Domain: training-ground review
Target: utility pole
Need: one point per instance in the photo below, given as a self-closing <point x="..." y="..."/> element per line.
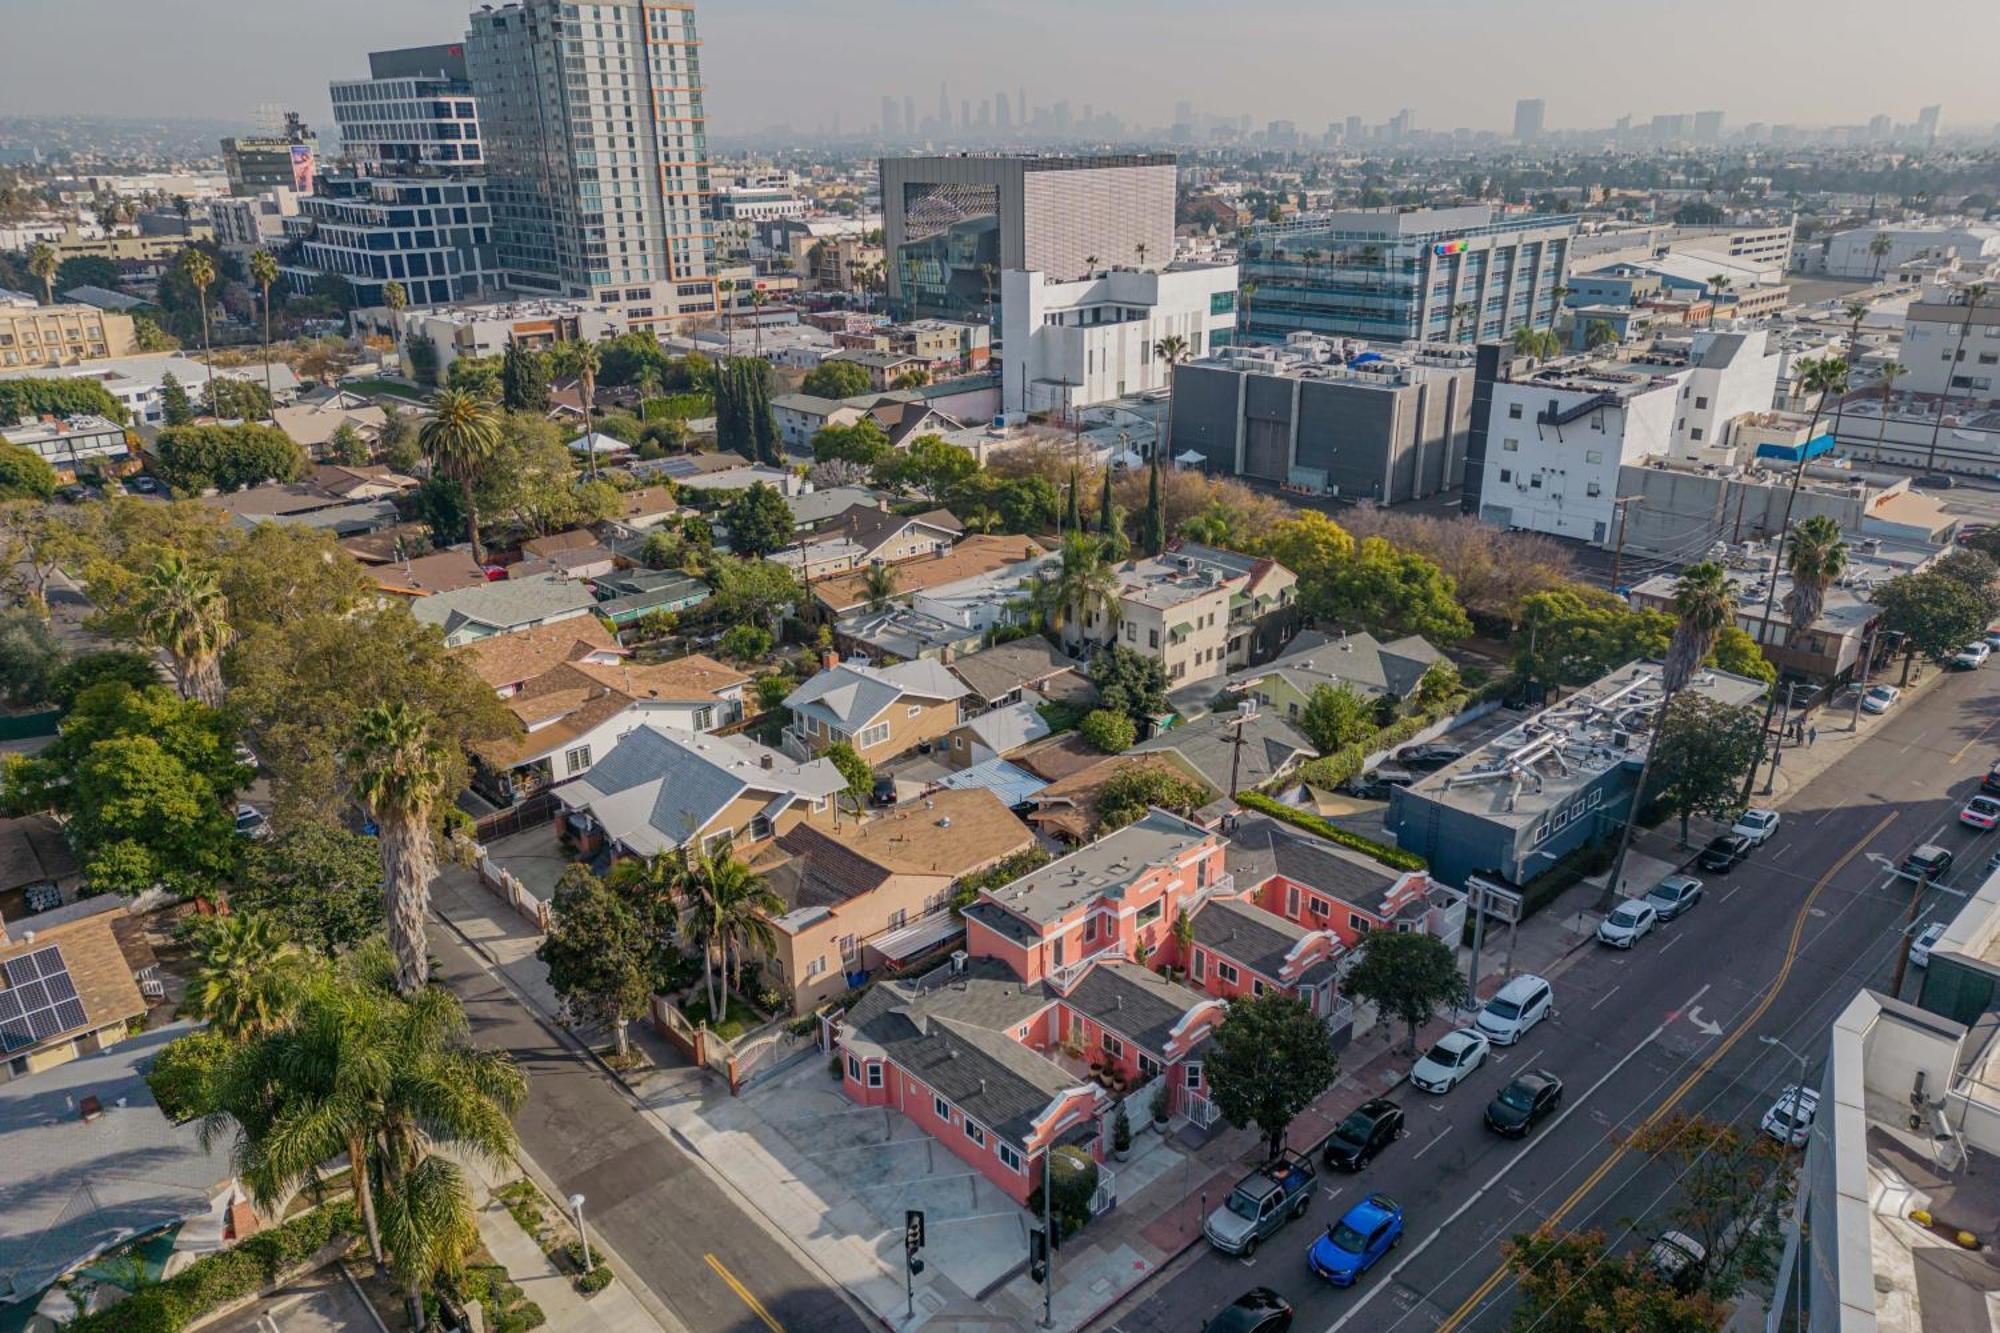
<point x="1903" y="936"/>
<point x="1778" y="745"/>
<point x="1618" y="550"/>
<point x="1245" y="712"/>
<point x="1861" y="673"/>
<point x="1048" y="1239"/>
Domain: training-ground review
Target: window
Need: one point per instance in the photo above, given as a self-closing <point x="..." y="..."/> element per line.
<point x="874" y="1075"/>
<point x="1224" y="973"/>
<point x="1700" y="403"/>
<point x="1256" y="986"/>
<point x="872" y="736"/>
<point x="1194" y="1075"/>
<point x="1593" y="455"/>
<point x="1510" y="446"/>
<point x="1148" y="1066"/>
<point x="717" y="840"/>
<point x="914" y="710"/>
<point x="1200" y="964"/>
<point x="1009" y="1158"/>
<point x="975" y="1133"/>
<point x="1592" y="488"/>
<point x="1150" y="913"/>
<point x="943" y="1109"/>
<point x="1113" y="1047"/>
<point x="576" y="760"/>
<point x="1357" y="922"/>
<point x="1513" y="411"/>
<point x="854" y="1069"/>
<point x="816" y="967"/>
<point x="1292" y="900"/>
<point x="1505" y="476"/>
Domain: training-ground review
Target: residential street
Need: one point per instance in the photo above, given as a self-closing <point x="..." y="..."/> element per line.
<point x="1774" y="949"/>
<point x="682" y="1234"/>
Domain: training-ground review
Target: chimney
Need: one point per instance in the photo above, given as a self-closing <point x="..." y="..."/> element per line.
<point x="768" y="762"/>
<point x="829" y="659"/>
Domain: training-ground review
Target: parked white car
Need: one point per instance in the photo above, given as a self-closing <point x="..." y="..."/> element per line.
<point x="1879" y="698"/>
<point x="1790" y="1118"/>
<point x="1921" y="946"/>
<point x="1448" y="1063"/>
<point x="1515" y="1008"/>
<point x="1756" y="825"/>
<point x="1972" y="656"/>
<point x="1628" y="923"/>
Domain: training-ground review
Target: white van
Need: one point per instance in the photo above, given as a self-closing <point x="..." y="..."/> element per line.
<point x="1516" y="1007"/>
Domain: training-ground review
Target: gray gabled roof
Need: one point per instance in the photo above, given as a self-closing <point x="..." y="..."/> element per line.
<point x="1247" y="934"/>
<point x="1270" y="746"/>
<point x="854" y="695"/>
<point x="1130" y="999"/>
<point x="505" y="604"/>
<point x="1004" y="668"/>
<point x="1262" y="847"/>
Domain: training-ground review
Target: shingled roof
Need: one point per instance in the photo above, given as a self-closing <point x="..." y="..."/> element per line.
<point x="1263" y="847"/>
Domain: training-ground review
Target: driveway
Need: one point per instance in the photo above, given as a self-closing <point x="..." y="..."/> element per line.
<point x="322" y="1302"/>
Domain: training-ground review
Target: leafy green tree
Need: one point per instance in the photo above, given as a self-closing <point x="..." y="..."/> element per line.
<point x="530" y="477"/>
<point x="246" y="974"/>
<point x="1136" y="787"/>
<point x="78" y="674"/>
<point x="745" y="643"/>
<point x="1975" y="569"/>
<point x="1073" y="1177"/>
<point x="398" y="441"/>
<point x="1733" y="1193"/>
<point x="1015" y="504"/>
<point x="175" y="409"/>
<point x="1437" y="686"/>
<point x="420" y="357"/>
<point x="88" y="271"/>
<point x="1385" y="588"/>
<point x="524" y="379"/>
<point x="933" y="468"/>
<point x="1570" y="1282"/>
<point x="1935" y="613"/>
<point x="31" y="660"/>
<point x="347" y="446"/>
<point x="320" y="882"/>
<point x="1575" y="634"/>
<point x="1110" y="732"/>
<point x="226" y="458"/>
<point x="860" y="776"/>
<point x="757" y="591"/>
<point x="863" y="442"/>
<point x="1267" y="1061"/>
<point x="150" y="337"/>
<point x="1129" y="682"/>
<point x="1407" y="976"/>
<point x="183" y="1073"/>
<point x="28" y="398"/>
<point x="1314" y="548"/>
<point x="398" y="767"/>
<point x="24" y="474"/>
<point x="599" y="953"/>
<point x="1153" y="520"/>
<point x="759" y="521"/>
<point x="836" y="379"/>
<point x="1336" y="716"/>
<point x="1737" y="651"/>
<point x="477" y="375"/>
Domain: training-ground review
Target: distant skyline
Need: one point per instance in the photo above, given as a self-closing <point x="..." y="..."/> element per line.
<point x="773" y="62"/>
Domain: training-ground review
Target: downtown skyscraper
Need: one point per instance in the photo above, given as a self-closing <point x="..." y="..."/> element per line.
<point x="597" y="152"/>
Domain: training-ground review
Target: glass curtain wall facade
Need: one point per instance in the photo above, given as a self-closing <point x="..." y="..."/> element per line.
<point x="949" y="262"/>
<point x="1389" y="278"/>
<point x="432" y="236"/>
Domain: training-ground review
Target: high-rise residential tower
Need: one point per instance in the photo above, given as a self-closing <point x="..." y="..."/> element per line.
<point x="1528" y="119"/>
<point x="597" y="152"/>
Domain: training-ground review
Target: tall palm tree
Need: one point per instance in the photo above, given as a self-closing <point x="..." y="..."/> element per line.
<point x="879" y="583"/>
<point x="42" y="262"/>
<point x="199" y="270"/>
<point x="246" y="974"/>
<point x="1816" y="557"/>
<point x="1879" y="245"/>
<point x="395" y="296"/>
<point x="1717" y="285"/>
<point x="397" y="765"/>
<point x="698" y="922"/>
<point x="583" y="360"/>
<point x="725" y="287"/>
<point x="459" y="439"/>
<point x="759" y="298"/>
<point x="743" y="909"/>
<point x="1973" y="295"/>
<point x="183" y="612"/>
<point x="264" y="272"/>
<point x="1082" y="585"/>
<point x="1090" y="266"/>
<point x="1892" y="372"/>
<point x="1704" y="603"/>
<point x="1140" y="248"/>
<point x="1461" y="312"/>
<point x="1171" y="350"/>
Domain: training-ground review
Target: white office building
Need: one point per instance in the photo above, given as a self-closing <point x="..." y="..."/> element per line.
<point x="1073" y="343"/>
<point x="1951" y="346"/>
<point x="1850" y="254"/>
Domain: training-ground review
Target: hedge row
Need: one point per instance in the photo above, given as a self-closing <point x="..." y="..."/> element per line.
<point x="1330" y="770"/>
<point x="1393" y="857"/>
<point x="217" y="1279"/>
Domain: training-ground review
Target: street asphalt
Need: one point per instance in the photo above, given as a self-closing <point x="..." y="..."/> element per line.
<point x="682" y="1234"/>
<point x="1775" y="949"/>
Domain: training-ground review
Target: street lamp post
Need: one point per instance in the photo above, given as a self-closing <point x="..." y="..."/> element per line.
<point x="1798" y="1208"/>
<point x="576" y="1207"/>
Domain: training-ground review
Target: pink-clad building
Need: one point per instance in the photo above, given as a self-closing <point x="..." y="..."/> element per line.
<point x="1003" y="1053"/>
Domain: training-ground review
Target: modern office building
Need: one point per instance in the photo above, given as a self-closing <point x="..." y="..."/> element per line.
<point x="1073" y="343"/>
<point x="1321" y="416"/>
<point x="596" y="146"/>
<point x="259" y="162"/>
<point x="243" y="225"/>
<point x="413" y="114"/>
<point x="1951" y="346"/>
<point x="1528" y="113"/>
<point x="1432" y="275"/>
<point x="952" y="225"/>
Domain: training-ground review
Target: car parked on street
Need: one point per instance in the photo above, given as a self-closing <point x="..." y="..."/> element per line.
<point x="1971" y="657"/>
<point x="1879" y="698"/>
<point x="1981" y="812"/>
<point x="1258" y="1310"/>
<point x="1531" y="1098"/>
<point x="250" y="823"/>
<point x="1724" y="850"/>
<point x="1262" y="1201"/>
<point x="1992" y="639"/>
<point x="1447" y="1063"/>
<point x="1674" y="895"/>
<point x="1357" y="1242"/>
<point x="1921" y="946"/>
<point x="1790" y="1118"/>
<point x="1991" y="782"/>
<point x="1679" y="1259"/>
<point x="1515" y="1008"/>
<point x="1368" y="1129"/>
<point x="1627" y="923"/>
<point x="1756" y="825"/>
<point x="1928" y="861"/>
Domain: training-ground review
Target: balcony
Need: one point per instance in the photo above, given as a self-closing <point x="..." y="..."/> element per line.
<point x="1062" y="978"/>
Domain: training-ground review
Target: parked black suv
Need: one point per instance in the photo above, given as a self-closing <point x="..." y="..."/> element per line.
<point x="1723" y="852"/>
<point x="1371" y="1127"/>
<point x="1526" y="1102"/>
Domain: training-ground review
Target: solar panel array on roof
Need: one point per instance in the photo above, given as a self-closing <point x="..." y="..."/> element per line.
<point x="40" y="1001"/>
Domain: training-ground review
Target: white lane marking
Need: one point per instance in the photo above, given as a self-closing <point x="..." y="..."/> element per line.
<point x="1495" y="1178"/>
<point x="1433" y="1143"/>
<point x="1607" y="995"/>
<point x="1670" y="944"/>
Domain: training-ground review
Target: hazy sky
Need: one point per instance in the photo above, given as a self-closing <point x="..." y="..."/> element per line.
<point x="768" y="62"/>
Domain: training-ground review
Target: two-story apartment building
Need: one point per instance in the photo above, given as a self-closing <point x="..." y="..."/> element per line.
<point x="1201" y="610"/>
<point x="881" y="711"/>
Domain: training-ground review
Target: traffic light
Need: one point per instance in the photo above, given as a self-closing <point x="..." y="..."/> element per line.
<point x="913" y="1231"/>
<point x="1038" y="1254"/>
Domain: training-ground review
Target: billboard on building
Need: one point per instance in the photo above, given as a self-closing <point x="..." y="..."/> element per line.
<point x="302" y="168"/>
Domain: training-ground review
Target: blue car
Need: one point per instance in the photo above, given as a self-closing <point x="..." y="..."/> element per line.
<point x="1352" y="1245"/>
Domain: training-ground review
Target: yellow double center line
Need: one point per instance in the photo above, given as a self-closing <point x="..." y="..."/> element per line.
<point x="743" y="1292"/>
<point x="1701" y="1071"/>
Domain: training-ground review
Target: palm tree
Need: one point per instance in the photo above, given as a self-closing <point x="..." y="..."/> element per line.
<point x="725" y="287"/>
<point x="182" y="611"/>
<point x="397" y="764"/>
<point x="1704" y="603"/>
<point x="199" y="270"/>
<point x="1171" y="350"/>
<point x="583" y="360"/>
<point x="1892" y="372"/>
<point x="1816" y="557"/>
<point x="1973" y="295"/>
<point x="1717" y="285"/>
<point x="394" y="296"/>
<point x="1090" y="266"/>
<point x="879" y="583"/>
<point x="246" y="975"/>
<point x="42" y="262"/>
<point x="1879" y="245"/>
<point x="1599" y="334"/>
<point x="1140" y="248"/>
<point x="1083" y="584"/>
<point x="264" y="272"/>
<point x="1461" y="312"/>
<point x="759" y="298"/>
<point x="459" y="439"/>
<point x="743" y="909"/>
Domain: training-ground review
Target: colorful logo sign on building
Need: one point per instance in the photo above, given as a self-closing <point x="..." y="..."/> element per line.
<point x="1444" y="248"/>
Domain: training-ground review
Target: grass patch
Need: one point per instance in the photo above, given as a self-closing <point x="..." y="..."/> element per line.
<point x="737" y="1017"/>
<point x="524" y="1201"/>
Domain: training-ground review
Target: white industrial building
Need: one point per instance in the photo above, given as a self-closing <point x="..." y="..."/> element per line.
<point x="1849" y="253"/>
<point x="1067" y="344"/>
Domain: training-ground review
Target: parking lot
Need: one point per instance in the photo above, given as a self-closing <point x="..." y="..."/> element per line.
<point x="323" y="1302"/>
